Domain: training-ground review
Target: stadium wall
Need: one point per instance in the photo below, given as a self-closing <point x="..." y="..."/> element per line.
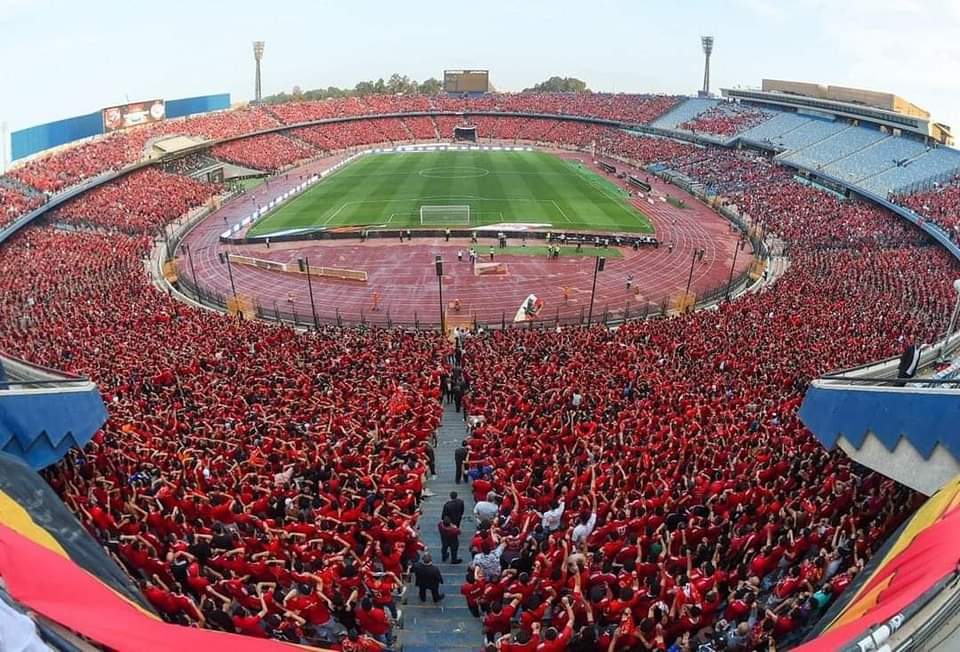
<point x="201" y="104"/>
<point x="32" y="140"/>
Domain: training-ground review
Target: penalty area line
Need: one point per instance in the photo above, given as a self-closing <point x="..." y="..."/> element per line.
<point x="562" y="212"/>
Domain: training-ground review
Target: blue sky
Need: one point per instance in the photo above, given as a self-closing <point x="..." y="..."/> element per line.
<point x="62" y="58"/>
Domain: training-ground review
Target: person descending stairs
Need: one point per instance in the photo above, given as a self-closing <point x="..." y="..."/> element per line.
<point x="447" y="624"/>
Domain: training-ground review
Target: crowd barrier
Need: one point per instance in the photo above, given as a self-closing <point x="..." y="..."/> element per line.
<point x="289" y="268"/>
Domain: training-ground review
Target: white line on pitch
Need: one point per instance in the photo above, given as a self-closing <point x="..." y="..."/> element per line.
<point x="561" y="211"/>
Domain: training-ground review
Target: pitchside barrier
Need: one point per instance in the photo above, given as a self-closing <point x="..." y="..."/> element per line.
<point x="240" y="304"/>
<point x="292" y="268"/>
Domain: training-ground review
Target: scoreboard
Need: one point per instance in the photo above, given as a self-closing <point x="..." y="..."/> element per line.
<point x="466" y="81"/>
<point x="128" y="115"/>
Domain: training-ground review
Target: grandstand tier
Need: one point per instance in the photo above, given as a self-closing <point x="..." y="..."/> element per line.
<point x="277" y="484"/>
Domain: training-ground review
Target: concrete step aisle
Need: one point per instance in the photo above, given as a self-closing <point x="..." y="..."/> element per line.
<point x="449" y="624"/>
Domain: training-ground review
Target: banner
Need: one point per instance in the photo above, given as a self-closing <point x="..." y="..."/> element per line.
<point x="137" y="113"/>
<point x="529" y="309"/>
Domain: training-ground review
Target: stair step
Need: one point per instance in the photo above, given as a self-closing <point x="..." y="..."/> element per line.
<point x="443" y="638"/>
<point x="448" y="625"/>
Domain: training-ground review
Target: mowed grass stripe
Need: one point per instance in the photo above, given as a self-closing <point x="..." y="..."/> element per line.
<point x="498" y="187"/>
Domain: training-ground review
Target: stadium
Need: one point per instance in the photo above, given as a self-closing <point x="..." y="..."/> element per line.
<point x="626" y="371"/>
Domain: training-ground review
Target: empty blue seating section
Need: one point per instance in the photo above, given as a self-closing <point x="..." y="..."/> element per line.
<point x="858" y="155"/>
<point x="813" y="131"/>
<point x="835" y="147"/>
<point x="779" y="124"/>
<point x="875" y="158"/>
<point x="687" y="110"/>
<point x="935" y="164"/>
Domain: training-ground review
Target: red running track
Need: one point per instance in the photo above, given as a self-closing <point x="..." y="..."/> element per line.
<point x="404" y="277"/>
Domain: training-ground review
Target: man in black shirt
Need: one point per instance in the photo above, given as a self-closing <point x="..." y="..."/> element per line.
<point x="459" y="457"/>
<point x="449" y="540"/>
<point x="453" y="509"/>
<point x="428" y="578"/>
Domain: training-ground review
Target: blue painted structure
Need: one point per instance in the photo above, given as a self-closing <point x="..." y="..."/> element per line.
<point x="200" y="104"/>
<point x="925" y="417"/>
<point x="32" y="140"/>
<point x="39" y="426"/>
<point x="38" y="138"/>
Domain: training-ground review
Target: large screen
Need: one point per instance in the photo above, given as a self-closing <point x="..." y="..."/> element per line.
<point x="466" y="81"/>
<point x="137" y="113"/>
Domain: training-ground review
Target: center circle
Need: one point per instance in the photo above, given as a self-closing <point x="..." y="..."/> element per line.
<point x="454" y="173"/>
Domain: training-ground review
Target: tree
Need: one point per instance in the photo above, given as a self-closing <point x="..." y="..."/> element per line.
<point x="431" y="86"/>
<point x="364" y="88"/>
<point x="399" y="84"/>
<point x="561" y="85"/>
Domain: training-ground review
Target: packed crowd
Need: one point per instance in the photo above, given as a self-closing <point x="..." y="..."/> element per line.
<point x="269" y="152"/>
<point x="14" y="203"/>
<point x="345" y="135"/>
<point x="68" y="166"/>
<point x="794" y="211"/>
<point x="190" y="163"/>
<point x="940" y="205"/>
<point x="653" y="487"/>
<point x="140" y="202"/>
<point x="421" y="128"/>
<point x="623" y="107"/>
<point x="71" y="165"/>
<point x="726" y="120"/>
<point x="249" y="477"/>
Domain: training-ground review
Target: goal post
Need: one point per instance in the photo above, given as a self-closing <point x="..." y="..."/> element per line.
<point x="444" y="215"/>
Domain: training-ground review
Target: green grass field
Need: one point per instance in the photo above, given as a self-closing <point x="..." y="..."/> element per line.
<point x="387" y="190"/>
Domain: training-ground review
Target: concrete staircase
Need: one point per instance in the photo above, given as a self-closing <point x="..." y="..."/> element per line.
<point x="448" y="625"/>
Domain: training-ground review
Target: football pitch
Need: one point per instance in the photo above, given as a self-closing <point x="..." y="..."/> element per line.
<point x="386" y="190"/>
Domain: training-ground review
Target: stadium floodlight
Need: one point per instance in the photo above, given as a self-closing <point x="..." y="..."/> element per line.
<point x="257" y="57"/>
<point x="444" y="215"/>
<point x="707" y="43"/>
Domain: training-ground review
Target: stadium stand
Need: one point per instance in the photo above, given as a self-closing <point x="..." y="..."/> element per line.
<point x="684" y="112"/>
<point x="725" y="119"/>
<point x="62" y="169"/>
<point x="871" y="160"/>
<point x="934" y="165"/>
<point x="295" y="112"/>
<point x="537" y="129"/>
<point x="140" y="202"/>
<point x="655" y="549"/>
<point x="768" y="132"/>
<point x="14" y="203"/>
<point x="445" y="125"/>
<point x="270" y="152"/>
<point x="940" y="205"/>
<point x="835" y="147"/>
<point x="245" y="462"/>
<point x="190" y="164"/>
<point x="422" y="128"/>
<point x="811" y="132"/>
<point x="172" y="376"/>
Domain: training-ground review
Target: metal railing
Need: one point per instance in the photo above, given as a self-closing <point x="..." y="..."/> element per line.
<point x="610" y="316"/>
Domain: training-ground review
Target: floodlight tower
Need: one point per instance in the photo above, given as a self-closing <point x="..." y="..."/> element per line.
<point x="257" y="56"/>
<point x="707" y="43"/>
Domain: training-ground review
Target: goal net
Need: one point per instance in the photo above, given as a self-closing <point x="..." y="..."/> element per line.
<point x="444" y="215"/>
